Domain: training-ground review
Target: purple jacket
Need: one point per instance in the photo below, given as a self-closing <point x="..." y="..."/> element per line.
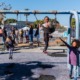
<point x="73" y="54"/>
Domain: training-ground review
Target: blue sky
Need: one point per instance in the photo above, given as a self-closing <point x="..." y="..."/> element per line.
<point x="44" y="5"/>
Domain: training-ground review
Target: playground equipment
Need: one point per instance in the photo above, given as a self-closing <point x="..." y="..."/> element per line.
<point x="75" y="13"/>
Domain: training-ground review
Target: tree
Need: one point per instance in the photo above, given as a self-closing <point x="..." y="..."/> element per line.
<point x="37" y="22"/>
<point x="73" y="23"/>
<point x="42" y="21"/>
<point x="1" y="18"/>
<point x="10" y="21"/>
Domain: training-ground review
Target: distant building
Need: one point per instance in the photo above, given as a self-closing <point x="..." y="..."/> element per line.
<point x="19" y="24"/>
<point x="23" y="23"/>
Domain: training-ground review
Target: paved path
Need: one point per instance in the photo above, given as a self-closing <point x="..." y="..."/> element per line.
<point x="31" y="64"/>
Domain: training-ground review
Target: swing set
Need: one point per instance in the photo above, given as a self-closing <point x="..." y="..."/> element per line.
<point x="72" y="13"/>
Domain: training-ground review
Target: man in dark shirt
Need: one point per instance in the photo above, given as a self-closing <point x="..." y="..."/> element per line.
<point x="4" y="34"/>
<point x="31" y="35"/>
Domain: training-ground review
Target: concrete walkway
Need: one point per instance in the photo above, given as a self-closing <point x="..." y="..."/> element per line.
<point x="30" y="64"/>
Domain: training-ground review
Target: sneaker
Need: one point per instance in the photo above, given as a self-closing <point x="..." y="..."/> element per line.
<point x="11" y="57"/>
<point x="45" y="52"/>
<point x="70" y="77"/>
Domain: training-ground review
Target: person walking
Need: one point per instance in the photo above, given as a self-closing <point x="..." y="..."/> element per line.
<point x="37" y="33"/>
<point x="10" y="46"/>
<point x="31" y="36"/>
<point x="17" y="35"/>
<point x="1" y="32"/>
<point x="13" y="33"/>
<point x="27" y="36"/>
<point x="4" y="36"/>
<point x="21" y="35"/>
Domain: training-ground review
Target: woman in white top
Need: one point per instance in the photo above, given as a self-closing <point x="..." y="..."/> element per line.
<point x="46" y="28"/>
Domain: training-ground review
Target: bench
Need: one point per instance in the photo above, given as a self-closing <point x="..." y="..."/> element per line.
<point x="57" y="48"/>
<point x="63" y="50"/>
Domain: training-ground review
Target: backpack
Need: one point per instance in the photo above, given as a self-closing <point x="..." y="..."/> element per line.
<point x="52" y="29"/>
<point x="53" y="25"/>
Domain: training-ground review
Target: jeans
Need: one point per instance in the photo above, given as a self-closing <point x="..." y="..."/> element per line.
<point x="10" y="52"/>
<point x="31" y="37"/>
<point x="74" y="69"/>
<point x="1" y="39"/>
<point x="46" y="40"/>
<point x="38" y="39"/>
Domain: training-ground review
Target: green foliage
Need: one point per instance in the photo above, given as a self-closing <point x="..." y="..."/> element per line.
<point x="41" y="22"/>
<point x="37" y="22"/>
<point x="1" y="21"/>
<point x="10" y="21"/>
<point x="62" y="27"/>
<point x="73" y="22"/>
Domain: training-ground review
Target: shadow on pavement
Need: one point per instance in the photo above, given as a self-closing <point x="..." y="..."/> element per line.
<point x="21" y="71"/>
<point x="3" y="52"/>
<point x="58" y="54"/>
